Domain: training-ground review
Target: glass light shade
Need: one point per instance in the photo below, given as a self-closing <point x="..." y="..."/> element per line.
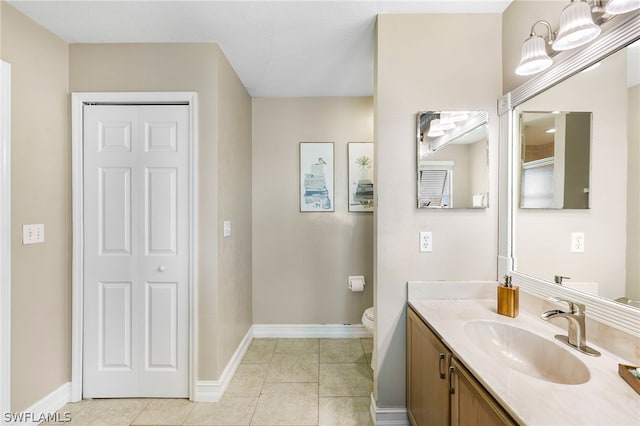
<point x="446" y="123"/>
<point x="616" y="7"/>
<point x="434" y="129"/>
<point x="534" y="56"/>
<point x="576" y="27"/>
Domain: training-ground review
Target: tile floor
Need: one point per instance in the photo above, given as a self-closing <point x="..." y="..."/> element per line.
<point x="279" y="382"/>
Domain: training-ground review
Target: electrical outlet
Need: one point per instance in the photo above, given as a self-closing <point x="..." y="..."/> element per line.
<point x="577" y="242"/>
<point x="33" y="234"/>
<point x="426" y="241"/>
<point x="226" y="228"/>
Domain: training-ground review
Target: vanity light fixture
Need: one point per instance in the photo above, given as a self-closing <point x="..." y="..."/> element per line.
<point x="434" y="129"/>
<point x="616" y="7"/>
<point x="534" y="52"/>
<point x="576" y="26"/>
<point x="446" y="122"/>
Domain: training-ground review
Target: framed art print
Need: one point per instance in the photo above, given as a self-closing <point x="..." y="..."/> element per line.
<point x="360" y="155"/>
<point x="316" y="177"/>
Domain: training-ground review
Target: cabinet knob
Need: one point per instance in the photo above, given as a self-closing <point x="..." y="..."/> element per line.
<point x="162" y="268"/>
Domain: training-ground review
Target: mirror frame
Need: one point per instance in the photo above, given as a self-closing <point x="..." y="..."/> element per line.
<point x="616" y="34"/>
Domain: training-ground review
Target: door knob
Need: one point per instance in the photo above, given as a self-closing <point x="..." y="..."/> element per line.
<point x="162" y="268"/>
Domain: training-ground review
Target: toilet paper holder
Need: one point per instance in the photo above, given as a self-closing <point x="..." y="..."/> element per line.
<point x="356" y="283"/>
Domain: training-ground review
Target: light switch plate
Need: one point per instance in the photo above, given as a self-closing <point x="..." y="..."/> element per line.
<point x="33" y="234"/>
<point x="226" y="228"/>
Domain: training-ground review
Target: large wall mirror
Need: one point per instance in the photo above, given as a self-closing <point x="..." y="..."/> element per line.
<point x="582" y="223"/>
<point x="599" y="100"/>
<point x="452" y="159"/>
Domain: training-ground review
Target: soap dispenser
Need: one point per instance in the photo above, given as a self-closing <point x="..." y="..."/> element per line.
<point x="508" y="298"/>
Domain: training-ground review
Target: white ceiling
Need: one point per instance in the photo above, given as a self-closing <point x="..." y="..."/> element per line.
<point x="278" y="48"/>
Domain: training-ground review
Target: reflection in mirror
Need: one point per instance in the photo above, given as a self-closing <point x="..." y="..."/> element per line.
<point x="598" y="248"/>
<point x="452" y="159"/>
<point x="554" y="155"/>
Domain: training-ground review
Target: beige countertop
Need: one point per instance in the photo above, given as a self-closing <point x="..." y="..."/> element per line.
<point x="605" y="399"/>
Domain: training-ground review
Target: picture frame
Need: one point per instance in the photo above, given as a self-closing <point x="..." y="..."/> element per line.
<point x="317" y="177"/>
<point x="360" y="176"/>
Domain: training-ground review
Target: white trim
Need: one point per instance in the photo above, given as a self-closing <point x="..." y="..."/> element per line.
<point x="47" y="406"/>
<point x="77" y="101"/>
<point x="388" y="416"/>
<point x="194" y="226"/>
<point x="212" y="390"/>
<point x="328" y="331"/>
<point x="5" y="237"/>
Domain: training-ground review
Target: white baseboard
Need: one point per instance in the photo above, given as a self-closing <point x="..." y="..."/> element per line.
<point x="327" y="331"/>
<point x="43" y="410"/>
<point x="388" y="416"/>
<point x="212" y="390"/>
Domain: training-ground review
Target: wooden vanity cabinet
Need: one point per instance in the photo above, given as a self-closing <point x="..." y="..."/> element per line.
<point x="440" y="390"/>
<point x="428" y="401"/>
<point x="471" y="404"/>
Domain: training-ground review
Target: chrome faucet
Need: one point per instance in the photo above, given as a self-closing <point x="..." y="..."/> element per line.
<point x="577" y="328"/>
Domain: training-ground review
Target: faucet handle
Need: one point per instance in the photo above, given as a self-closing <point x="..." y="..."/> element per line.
<point x="575" y="307"/>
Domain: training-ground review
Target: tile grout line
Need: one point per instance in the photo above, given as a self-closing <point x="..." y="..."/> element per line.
<point x="264" y="382"/>
<point x="193" y="407"/>
<point x="140" y="413"/>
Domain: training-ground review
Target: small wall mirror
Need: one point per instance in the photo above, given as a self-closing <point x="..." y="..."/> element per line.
<point x="452" y="154"/>
<point x="554" y="159"/>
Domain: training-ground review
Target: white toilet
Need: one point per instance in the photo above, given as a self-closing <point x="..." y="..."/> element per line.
<point x="368" y="320"/>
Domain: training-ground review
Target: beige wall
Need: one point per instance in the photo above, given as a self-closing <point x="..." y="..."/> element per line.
<point x="301" y="260"/>
<point x="223" y="149"/>
<point x="41" y="193"/>
<point x="427" y="62"/>
<point x="234" y="316"/>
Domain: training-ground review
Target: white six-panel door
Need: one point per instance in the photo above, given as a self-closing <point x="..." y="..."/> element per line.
<point x="136" y="256"/>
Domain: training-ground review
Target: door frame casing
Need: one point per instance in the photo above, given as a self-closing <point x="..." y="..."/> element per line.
<point x="78" y="100"/>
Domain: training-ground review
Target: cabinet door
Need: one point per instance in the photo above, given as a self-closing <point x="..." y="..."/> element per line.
<point x="471" y="405"/>
<point x="428" y="398"/>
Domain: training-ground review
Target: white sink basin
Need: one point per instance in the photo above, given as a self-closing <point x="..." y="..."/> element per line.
<point x="527" y="352"/>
